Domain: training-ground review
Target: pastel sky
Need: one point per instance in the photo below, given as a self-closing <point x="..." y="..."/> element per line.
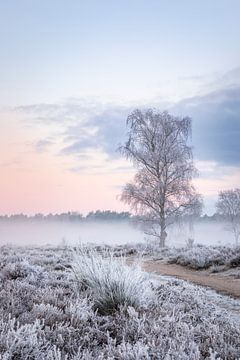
<point x="70" y="73"/>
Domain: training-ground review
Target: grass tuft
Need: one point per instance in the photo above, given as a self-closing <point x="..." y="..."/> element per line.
<point x="111" y="282"/>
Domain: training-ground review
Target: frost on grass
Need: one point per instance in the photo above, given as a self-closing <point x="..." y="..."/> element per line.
<point x="111" y="282"/>
<point x="45" y="315"/>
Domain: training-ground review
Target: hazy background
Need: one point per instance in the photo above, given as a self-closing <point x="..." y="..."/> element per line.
<point x="113" y="233"/>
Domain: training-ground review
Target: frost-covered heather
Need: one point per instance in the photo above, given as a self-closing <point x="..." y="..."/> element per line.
<point x="203" y="257"/>
<point x="46" y="316"/>
<point x="197" y="257"/>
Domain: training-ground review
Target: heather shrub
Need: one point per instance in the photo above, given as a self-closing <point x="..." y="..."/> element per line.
<point x="16" y="297"/>
<point x="51" y="314"/>
<point x="16" y="270"/>
<point x="79" y="311"/>
<point x="203" y="257"/>
<point x="234" y="261"/>
<point x="22" y="341"/>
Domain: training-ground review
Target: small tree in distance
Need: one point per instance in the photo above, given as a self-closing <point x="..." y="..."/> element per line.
<point x="228" y="205"/>
<point x="161" y="190"/>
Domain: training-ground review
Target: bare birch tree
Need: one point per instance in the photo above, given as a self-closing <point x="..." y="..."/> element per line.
<point x="228" y="205"/>
<point x="161" y="190"/>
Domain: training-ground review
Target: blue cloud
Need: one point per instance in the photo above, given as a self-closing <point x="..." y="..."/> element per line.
<point x="105" y="130"/>
<point x="216" y="125"/>
<point x="42" y="145"/>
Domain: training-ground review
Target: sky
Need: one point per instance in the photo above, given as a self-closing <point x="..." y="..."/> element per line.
<point x="70" y="73"/>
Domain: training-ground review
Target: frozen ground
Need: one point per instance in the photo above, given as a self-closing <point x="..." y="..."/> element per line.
<point x="229" y="305"/>
<point x="47" y="314"/>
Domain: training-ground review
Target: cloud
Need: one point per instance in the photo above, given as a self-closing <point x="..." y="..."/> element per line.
<point x="66" y="113"/>
<point x="105" y="168"/>
<point x="10" y="163"/>
<point x="42" y="145"/>
<point x="214" y="170"/>
<point x="105" y="131"/>
<point x="83" y="125"/>
<point x="86" y="169"/>
<point x="227" y="80"/>
<point x="80" y="126"/>
<point x="210" y="83"/>
<point x="216" y="125"/>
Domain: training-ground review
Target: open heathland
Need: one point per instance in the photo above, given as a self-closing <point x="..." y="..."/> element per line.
<point x="62" y="304"/>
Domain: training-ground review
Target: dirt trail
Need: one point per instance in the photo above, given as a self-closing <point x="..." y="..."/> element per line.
<point x="222" y="284"/>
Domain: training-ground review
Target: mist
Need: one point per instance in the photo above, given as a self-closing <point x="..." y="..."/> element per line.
<point x="56" y="233"/>
<point x="204" y="233"/>
<point x="113" y="233"/>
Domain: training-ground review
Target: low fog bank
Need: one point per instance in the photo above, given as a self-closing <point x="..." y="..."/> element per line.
<point x="204" y="233"/>
<point x="58" y="233"/>
<point x="110" y="233"/>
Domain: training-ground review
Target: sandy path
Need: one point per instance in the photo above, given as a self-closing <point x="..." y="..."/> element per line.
<point x="223" y="285"/>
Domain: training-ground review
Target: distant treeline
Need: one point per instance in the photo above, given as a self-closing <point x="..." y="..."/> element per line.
<point x="72" y="216"/>
<point x="99" y="215"/>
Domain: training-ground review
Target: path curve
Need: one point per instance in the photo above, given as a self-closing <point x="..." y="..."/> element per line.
<point x="222" y="284"/>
